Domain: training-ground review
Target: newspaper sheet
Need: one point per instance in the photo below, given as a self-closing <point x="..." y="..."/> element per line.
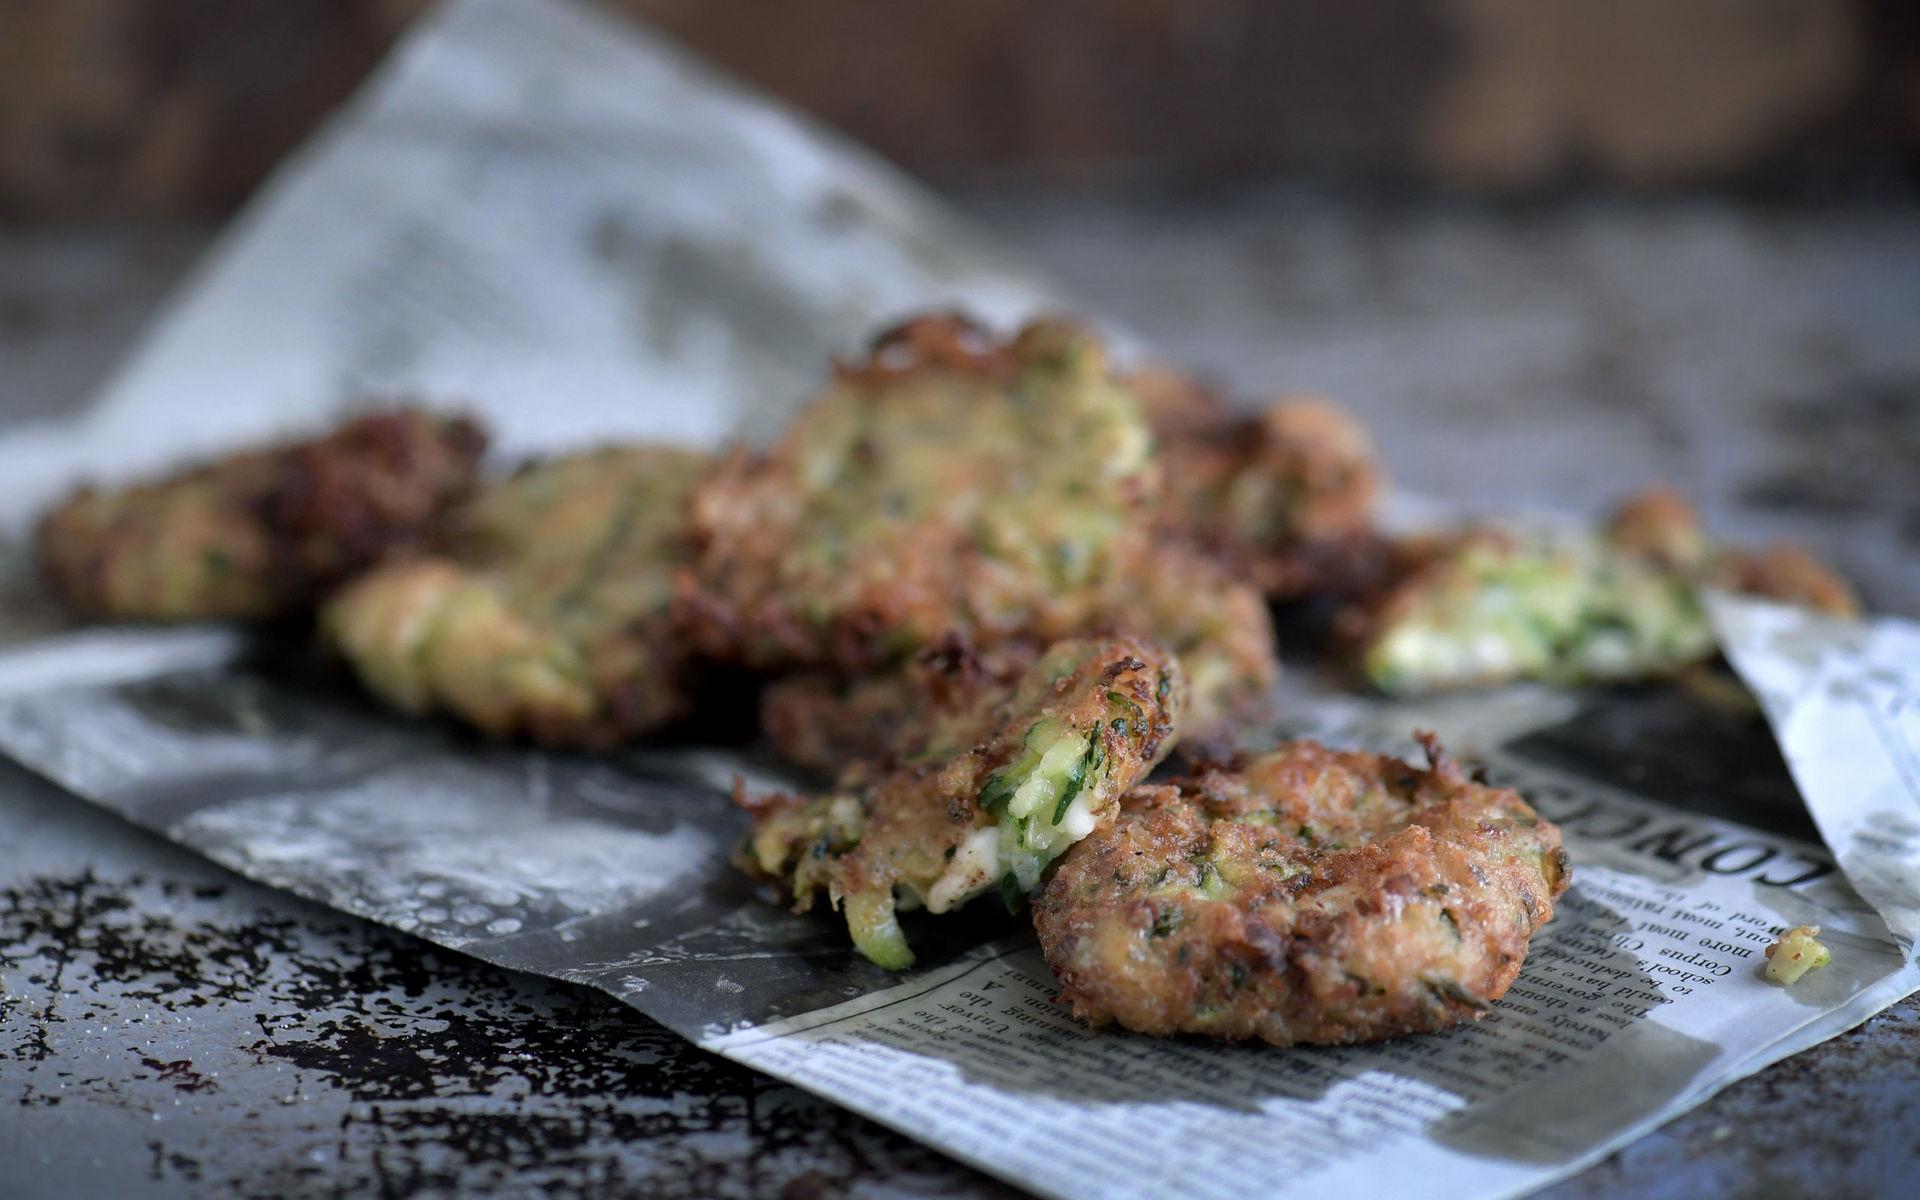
<point x="563" y="222"/>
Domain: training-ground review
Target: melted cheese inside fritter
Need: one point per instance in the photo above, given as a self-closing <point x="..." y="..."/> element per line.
<point x="1552" y="609"/>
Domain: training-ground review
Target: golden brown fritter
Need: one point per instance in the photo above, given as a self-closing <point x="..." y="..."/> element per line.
<point x="825" y="721"/>
<point x="553" y="620"/>
<point x="1658" y="524"/>
<point x="1286" y="496"/>
<point x="262" y="533"/>
<point x="990" y="794"/>
<point x="1788" y="573"/>
<point x="1795" y="952"/>
<point x="1487" y="604"/>
<point x="1302" y="896"/>
<point x="1217" y="626"/>
<point x="1178" y="406"/>
<point x="951" y="483"/>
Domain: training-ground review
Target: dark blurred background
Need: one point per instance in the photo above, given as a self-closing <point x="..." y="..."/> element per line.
<point x="1547" y="250"/>
<point x="119" y="108"/>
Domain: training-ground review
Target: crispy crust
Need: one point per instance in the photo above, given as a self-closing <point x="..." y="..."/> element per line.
<point x="552" y="623"/>
<point x="897" y="829"/>
<point x="1285" y="496"/>
<point x="1217" y="626"/>
<point x="1786" y="572"/>
<point x="1658" y="524"/>
<point x="262" y="533"/>
<point x="825" y="721"/>
<point x="1303" y="896"/>
<point x="950" y="482"/>
<point x="1661" y="527"/>
<point x="1178" y="406"/>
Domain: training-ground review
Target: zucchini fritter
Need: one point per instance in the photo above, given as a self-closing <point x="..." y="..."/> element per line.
<point x="1488" y="605"/>
<point x="1302" y="896"/>
<point x="989" y="794"/>
<point x="825" y="721"/>
<point x="552" y="622"/>
<point x="1217" y="626"/>
<point x="1660" y="525"/>
<point x="262" y="533"/>
<point x="1285" y="496"/>
<point x="1216" y="623"/>
<point x="949" y="483"/>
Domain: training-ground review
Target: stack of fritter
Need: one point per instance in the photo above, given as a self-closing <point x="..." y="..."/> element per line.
<point x="1007" y="494"/>
<point x="986" y="585"/>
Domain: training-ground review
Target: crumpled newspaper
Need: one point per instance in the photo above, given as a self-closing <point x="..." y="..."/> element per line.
<point x="1844" y="699"/>
<point x="567" y="224"/>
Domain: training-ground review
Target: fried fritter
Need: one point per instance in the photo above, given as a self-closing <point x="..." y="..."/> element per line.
<point x="1659" y="524"/>
<point x="1302" y="896"/>
<point x="989" y="795"/>
<point x="553" y="620"/>
<point x="1492" y="605"/>
<point x="1217" y="626"/>
<point x="1178" y="406"/>
<point x="825" y="721"/>
<point x="1788" y="573"/>
<point x="1486" y="605"/>
<point x="262" y="533"/>
<point x="1286" y="496"/>
<point x="949" y="483"/>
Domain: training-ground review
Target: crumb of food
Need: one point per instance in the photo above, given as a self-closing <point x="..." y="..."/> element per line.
<point x="952" y="481"/>
<point x="1797" y="952"/>
<point x="1487" y="604"/>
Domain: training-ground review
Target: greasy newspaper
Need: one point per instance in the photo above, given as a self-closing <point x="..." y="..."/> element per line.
<point x="565" y="225"/>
